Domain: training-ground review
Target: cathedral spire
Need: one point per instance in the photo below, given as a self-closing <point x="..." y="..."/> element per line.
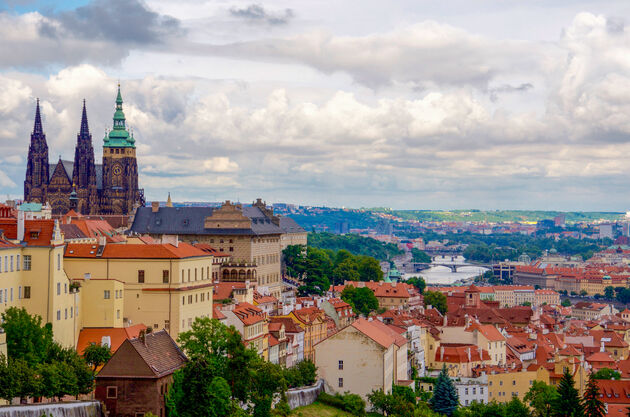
<point x="119" y="136"/>
<point x="85" y="130"/>
<point x="37" y="128"/>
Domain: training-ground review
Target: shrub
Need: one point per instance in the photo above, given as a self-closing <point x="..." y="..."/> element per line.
<point x="352" y="403"/>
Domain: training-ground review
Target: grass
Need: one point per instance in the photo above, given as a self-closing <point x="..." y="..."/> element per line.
<point x="319" y="410"/>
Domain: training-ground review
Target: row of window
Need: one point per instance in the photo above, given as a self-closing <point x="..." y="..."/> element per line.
<point x="9" y="264"/>
<point x="204" y="296"/>
<point x="6" y="295"/>
<point x="474" y="391"/>
<point x="65" y="314"/>
<point x="502" y="394"/>
<point x="117" y="294"/>
<point x="267" y="259"/>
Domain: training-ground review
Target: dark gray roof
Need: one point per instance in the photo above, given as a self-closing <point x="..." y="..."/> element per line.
<point x="68" y="166"/>
<point x="190" y="221"/>
<point x="288" y="225"/>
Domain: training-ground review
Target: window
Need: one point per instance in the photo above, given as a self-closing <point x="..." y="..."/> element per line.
<point x="17" y="262"/>
<point x="195" y="274"/>
<point x="6" y="263"/>
<point x="340" y="382"/>
<point x="341" y="365"/>
<point x="70" y="312"/>
<point x="165" y="276"/>
<point x="112" y="392"/>
<point x="106" y="294"/>
<point x="189" y="275"/>
<point x="11" y="263"/>
<point x="65" y="288"/>
<point x="27" y="292"/>
<point x="11" y="299"/>
<point x="58" y="261"/>
<point x="19" y="293"/>
<point x="183" y="300"/>
<point x="117" y="314"/>
<point x="514" y="382"/>
<point x="59" y="288"/>
<point x="141" y="276"/>
<point x="27" y="262"/>
<point x="65" y="314"/>
<point x="231" y="249"/>
<point x="58" y="314"/>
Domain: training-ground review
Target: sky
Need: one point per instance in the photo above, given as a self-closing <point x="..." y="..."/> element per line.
<point x="420" y="104"/>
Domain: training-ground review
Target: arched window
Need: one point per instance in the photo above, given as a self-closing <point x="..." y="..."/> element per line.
<point x="226" y="275"/>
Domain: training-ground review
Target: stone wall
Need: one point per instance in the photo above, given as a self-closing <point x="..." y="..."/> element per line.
<point x="299" y="397"/>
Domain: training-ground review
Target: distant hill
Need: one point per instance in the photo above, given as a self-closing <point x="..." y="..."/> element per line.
<point x="355" y="244"/>
<point x="496" y="216"/>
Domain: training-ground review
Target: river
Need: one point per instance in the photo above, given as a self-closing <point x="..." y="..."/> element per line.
<point x="443" y="275"/>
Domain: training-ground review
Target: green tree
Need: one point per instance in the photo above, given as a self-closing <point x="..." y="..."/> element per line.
<point x="540" y="398"/>
<point x="606" y="373"/>
<point x="417" y="282"/>
<point x="568" y="403"/>
<point x="369" y="269"/>
<point x="191" y="395"/>
<point x="445" y="399"/>
<point x="420" y="256"/>
<point x="362" y="299"/>
<point x="268" y="383"/>
<point x="609" y="292"/>
<point x="96" y="355"/>
<point x="437" y="300"/>
<point x="347" y="270"/>
<point x="26" y="337"/>
<point x="592" y="404"/>
<point x="583" y="293"/>
<point x="516" y="408"/>
<point x="566" y="303"/>
<point x="527" y="304"/>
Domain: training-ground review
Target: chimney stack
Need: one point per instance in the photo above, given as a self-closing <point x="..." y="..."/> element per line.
<point x="155" y="206"/>
<point x="20" y="225"/>
<point x="441" y="353"/>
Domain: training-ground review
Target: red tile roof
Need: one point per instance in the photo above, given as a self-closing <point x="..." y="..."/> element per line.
<point x="375" y="332"/>
<point x="133" y="251"/>
<point x="458" y="353"/>
<point x="249" y="314"/>
<point x="117" y="335"/>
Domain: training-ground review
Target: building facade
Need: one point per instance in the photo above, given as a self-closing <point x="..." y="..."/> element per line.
<point x="82" y="185"/>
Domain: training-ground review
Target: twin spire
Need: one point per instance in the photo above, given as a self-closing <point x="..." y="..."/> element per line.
<point x="119" y="136"/>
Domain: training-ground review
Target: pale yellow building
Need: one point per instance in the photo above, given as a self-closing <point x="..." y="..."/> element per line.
<point x="364" y="356"/>
<point x="503" y="386"/>
<point x="250" y="235"/>
<point x="163" y="285"/>
<point x="251" y="322"/>
<point x="32" y="275"/>
<point x="313" y="321"/>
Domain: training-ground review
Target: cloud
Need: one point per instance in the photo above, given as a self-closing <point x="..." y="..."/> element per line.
<point x="117" y="21"/>
<point x="494" y="92"/>
<point x="101" y="32"/>
<point x="422" y="56"/>
<point x="255" y="13"/>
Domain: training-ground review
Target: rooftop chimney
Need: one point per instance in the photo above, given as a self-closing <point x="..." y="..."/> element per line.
<point x="20" y="225"/>
<point x="155" y="206"/>
<point x="469" y="354"/>
<point x="441" y="353"/>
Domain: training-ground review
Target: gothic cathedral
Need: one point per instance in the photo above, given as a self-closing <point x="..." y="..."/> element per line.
<point x="82" y="185"/>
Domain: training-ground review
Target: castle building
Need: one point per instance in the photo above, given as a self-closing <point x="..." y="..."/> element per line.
<point x="83" y="185"/>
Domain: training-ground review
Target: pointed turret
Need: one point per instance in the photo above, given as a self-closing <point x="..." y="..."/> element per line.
<point x="169" y="202"/>
<point x="119" y="136"/>
<point x="85" y="130"/>
<point x="84" y="170"/>
<point x="37" y="169"/>
<point x="37" y="127"/>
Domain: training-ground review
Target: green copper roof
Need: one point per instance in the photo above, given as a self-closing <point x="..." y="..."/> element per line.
<point x="30" y="207"/>
<point x="119" y="136"/>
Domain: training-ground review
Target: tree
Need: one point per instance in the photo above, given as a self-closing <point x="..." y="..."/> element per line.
<point x="540" y="397"/>
<point x="593" y="406"/>
<point x="583" y="293"/>
<point x="516" y="408"/>
<point x="568" y="403"/>
<point x="566" y="303"/>
<point x="96" y="355"/>
<point x="191" y="395"/>
<point x="445" y="398"/>
<point x="362" y="299"/>
<point x="418" y="282"/>
<point x="26" y="337"/>
<point x="420" y="256"/>
<point x="347" y="270"/>
<point x="527" y="304"/>
<point x="609" y="292"/>
<point x="267" y="384"/>
<point x="606" y="373"/>
<point x="437" y="300"/>
<point x="370" y="269"/>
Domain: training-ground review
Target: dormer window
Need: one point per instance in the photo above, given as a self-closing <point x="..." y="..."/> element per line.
<point x="34" y="235"/>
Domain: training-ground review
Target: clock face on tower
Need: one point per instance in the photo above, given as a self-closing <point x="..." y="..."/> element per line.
<point x="117" y="170"/>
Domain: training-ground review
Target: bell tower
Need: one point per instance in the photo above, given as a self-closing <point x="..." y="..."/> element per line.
<point x="120" y="167"/>
<point x="37" y="168"/>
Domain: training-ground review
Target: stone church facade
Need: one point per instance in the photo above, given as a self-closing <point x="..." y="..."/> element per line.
<point x="83" y="185"/>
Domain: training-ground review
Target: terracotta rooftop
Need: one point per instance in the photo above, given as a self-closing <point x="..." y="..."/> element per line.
<point x="117" y="335"/>
<point x="133" y="251"/>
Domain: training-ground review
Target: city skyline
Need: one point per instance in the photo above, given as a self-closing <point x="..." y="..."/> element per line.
<point x="412" y="106"/>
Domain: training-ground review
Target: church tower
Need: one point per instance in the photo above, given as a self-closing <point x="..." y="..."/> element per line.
<point x="36" y="182"/>
<point x="84" y="171"/>
<point x="120" y="168"/>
